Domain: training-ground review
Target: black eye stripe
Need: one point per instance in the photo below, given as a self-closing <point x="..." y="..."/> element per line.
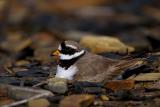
<point x="68" y="50"/>
<point x="63" y="45"/>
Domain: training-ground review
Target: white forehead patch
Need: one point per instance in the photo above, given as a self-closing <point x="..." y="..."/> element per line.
<point x="71" y="46"/>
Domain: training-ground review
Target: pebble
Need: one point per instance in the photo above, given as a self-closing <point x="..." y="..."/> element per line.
<point x="57" y="85"/>
<point x="104" y="98"/>
<point x="32" y="72"/>
<point x="107" y="44"/>
<point x="98" y="103"/>
<point x="22" y="63"/>
<point x="82" y="100"/>
<point x="39" y="103"/>
<point x="147" y="77"/>
<point x="94" y="90"/>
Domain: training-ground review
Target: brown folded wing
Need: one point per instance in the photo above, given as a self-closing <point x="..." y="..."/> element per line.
<point x="95" y="68"/>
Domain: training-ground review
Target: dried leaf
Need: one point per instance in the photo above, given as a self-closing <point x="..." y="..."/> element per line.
<point x="120" y="85"/>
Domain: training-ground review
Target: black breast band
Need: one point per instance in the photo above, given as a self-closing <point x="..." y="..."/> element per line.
<point x="67" y="63"/>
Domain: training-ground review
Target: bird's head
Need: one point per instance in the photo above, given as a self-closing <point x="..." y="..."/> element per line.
<point x="68" y="50"/>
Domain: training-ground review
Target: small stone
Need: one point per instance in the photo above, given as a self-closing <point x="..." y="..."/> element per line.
<point x="155" y="86"/>
<point x="100" y="44"/>
<point x="15" y="42"/>
<point x="93" y="90"/>
<point x="32" y="72"/>
<point x="22" y="63"/>
<point x="98" y="103"/>
<point x="52" y="71"/>
<point x="147" y="77"/>
<point x="104" y="98"/>
<point x="58" y="85"/>
<point x="3" y="3"/>
<point x="19" y="69"/>
<point x="157" y="101"/>
<point x="39" y="103"/>
<point x="83" y="100"/>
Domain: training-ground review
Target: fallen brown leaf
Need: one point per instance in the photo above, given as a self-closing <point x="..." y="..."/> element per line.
<point x="120" y="85"/>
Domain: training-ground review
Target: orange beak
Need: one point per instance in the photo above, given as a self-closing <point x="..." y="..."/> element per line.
<point x="55" y="53"/>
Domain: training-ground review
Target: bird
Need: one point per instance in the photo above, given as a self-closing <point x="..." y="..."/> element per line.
<point x="77" y="64"/>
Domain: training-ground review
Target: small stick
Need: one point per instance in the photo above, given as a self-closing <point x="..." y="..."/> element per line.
<point x="28" y="99"/>
<point x="8" y="70"/>
<point x="41" y="83"/>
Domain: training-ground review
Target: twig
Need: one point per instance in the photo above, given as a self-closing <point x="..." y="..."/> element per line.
<point x="39" y="93"/>
<point x="41" y="83"/>
<point x="26" y="100"/>
<point x="8" y="70"/>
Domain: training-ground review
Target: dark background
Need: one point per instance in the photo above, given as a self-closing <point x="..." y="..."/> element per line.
<point x="34" y="28"/>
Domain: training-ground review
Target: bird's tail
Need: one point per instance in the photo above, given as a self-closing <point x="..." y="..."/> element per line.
<point x="116" y="71"/>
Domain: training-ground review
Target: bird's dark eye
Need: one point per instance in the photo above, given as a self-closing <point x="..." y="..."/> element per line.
<point x="67" y="50"/>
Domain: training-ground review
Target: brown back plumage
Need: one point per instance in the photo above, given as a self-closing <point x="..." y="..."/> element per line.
<point x="95" y="68"/>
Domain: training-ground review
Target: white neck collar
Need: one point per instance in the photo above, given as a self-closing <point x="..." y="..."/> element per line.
<point x="68" y="57"/>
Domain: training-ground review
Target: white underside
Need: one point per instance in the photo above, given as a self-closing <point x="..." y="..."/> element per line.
<point x="67" y="74"/>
